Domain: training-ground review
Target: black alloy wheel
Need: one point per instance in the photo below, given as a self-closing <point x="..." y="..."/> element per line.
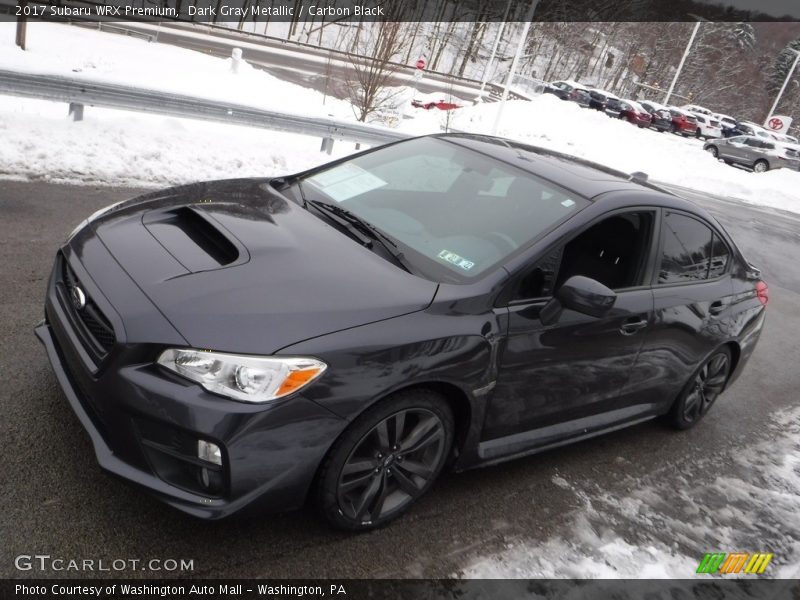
<point x="702" y="390"/>
<point x="386" y="460"/>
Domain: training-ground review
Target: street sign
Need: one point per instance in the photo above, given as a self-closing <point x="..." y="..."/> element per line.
<point x="779" y="123"/>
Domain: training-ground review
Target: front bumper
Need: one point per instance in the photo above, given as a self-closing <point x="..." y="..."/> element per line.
<point x="144" y="423"/>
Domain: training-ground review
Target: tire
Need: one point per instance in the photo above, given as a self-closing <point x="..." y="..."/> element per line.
<point x="703" y="388"/>
<point x="674" y="128"/>
<point x="373" y="473"/>
<point x="698" y="134"/>
<point x="761" y="166"/>
<point x="713" y="151"/>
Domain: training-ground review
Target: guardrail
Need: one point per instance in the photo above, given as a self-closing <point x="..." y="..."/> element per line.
<point x="79" y="93"/>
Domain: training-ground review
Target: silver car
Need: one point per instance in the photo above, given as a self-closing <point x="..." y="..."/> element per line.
<point x="755" y="153"/>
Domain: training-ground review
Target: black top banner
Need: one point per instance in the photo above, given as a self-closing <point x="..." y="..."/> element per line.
<point x="357" y="11"/>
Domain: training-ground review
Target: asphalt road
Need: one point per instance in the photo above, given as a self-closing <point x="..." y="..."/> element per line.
<point x="56" y="501"/>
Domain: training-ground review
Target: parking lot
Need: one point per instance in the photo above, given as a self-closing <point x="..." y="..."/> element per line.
<point x="57" y="502"/>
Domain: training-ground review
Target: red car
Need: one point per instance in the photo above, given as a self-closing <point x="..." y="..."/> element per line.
<point x="635" y="113"/>
<point x="682" y="122"/>
<point x="429" y="104"/>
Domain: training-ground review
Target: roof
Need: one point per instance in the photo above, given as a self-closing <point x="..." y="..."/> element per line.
<point x="584" y="178"/>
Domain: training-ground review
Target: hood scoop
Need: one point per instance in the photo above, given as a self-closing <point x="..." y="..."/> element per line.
<point x="194" y="238"/>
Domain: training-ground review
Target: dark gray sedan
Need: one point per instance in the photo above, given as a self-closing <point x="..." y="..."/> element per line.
<point x="755" y="153"/>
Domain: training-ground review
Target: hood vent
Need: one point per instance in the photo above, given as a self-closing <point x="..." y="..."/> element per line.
<point x="196" y="240"/>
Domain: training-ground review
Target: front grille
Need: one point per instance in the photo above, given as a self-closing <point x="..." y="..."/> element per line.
<point x="92" y="326"/>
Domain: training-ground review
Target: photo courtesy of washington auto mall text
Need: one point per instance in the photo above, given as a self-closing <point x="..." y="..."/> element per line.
<point x="400" y="299"/>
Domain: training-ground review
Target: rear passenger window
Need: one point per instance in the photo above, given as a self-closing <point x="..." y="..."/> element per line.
<point x="687" y="251"/>
<point x="719" y="258"/>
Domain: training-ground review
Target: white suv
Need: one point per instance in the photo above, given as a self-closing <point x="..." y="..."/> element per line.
<point x="707" y="126"/>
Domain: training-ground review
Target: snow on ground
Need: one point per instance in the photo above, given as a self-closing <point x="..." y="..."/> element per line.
<point x="38" y="142"/>
<point x="82" y="53"/>
<point x="665" y="157"/>
<point x="114" y="147"/>
<point x="675" y="524"/>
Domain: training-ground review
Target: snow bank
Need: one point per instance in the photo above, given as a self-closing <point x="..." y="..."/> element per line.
<point x="674" y="526"/>
<point x="100" y="56"/>
<point x="566" y="127"/>
<point x="38" y="142"/>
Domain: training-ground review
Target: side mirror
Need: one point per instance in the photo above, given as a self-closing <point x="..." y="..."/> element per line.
<point x="581" y="294"/>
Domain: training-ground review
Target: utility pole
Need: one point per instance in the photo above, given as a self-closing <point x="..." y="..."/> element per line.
<point x="683" y="60"/>
<point x="494" y="52"/>
<point x="22" y="23"/>
<point x="512" y="71"/>
<point x="785" y="83"/>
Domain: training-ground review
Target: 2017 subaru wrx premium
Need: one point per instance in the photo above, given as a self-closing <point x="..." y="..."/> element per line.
<point x="344" y="334"/>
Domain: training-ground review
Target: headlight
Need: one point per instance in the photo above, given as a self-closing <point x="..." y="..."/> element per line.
<point x="245" y="378"/>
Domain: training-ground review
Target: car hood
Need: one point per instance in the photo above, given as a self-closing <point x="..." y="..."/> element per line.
<point x="235" y="266"/>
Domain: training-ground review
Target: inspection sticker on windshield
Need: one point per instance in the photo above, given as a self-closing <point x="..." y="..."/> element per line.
<point x="457" y="260"/>
<point x="568" y="203"/>
<point x="346" y="181"/>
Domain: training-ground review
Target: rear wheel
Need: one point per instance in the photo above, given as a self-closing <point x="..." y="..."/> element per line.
<point x="761" y="166"/>
<point x="698" y="134"/>
<point x="386" y="460"/>
<point x="713" y="151"/>
<point x="702" y="390"/>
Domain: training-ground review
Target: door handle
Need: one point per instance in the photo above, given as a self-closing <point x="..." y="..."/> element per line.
<point x="632" y="325"/>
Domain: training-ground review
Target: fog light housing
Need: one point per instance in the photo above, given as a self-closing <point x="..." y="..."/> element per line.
<point x="209" y="452"/>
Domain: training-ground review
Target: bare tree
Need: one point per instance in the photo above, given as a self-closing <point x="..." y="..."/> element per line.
<point x="369" y="78"/>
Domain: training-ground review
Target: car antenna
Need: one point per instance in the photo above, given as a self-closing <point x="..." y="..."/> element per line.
<point x="639" y="177"/>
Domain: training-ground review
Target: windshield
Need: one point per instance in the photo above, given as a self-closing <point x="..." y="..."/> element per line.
<point x="453" y="212"/>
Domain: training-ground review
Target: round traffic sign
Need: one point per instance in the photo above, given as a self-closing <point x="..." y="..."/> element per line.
<point x="775" y="123"/>
<point x="421" y="63"/>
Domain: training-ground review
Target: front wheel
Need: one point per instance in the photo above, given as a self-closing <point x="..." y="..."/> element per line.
<point x="386" y="460"/>
<point x="761" y="166"/>
<point x="713" y="151"/>
<point x="702" y="390"/>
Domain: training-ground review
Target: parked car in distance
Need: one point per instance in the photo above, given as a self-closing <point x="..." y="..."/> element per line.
<point x="570" y="90"/>
<point x="598" y="99"/>
<point x="707" y="127"/>
<point x="651" y="106"/>
<point x="613" y="107"/>
<point x="440" y="101"/>
<point x="727" y="123"/>
<point x="750" y="128"/>
<point x="344" y="334"/>
<point x="755" y="152"/>
<point x="661" y="119"/>
<point x="698" y="110"/>
<point x="785" y="138"/>
<point x="635" y="113"/>
<point x="682" y="122"/>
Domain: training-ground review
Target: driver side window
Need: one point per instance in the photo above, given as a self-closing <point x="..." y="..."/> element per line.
<point x="613" y="252"/>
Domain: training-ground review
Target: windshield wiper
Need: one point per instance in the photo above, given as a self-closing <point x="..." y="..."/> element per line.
<point x="366" y="231"/>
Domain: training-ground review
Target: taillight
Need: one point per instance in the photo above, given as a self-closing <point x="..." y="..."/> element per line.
<point x="762" y="292"/>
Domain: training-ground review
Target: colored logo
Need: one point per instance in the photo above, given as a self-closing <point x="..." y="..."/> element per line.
<point x="775" y="123"/>
<point x="737" y="562"/>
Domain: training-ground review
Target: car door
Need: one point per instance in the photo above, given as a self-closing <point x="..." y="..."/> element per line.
<point x="551" y="379"/>
<point x="734" y="149"/>
<point x="692" y="290"/>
